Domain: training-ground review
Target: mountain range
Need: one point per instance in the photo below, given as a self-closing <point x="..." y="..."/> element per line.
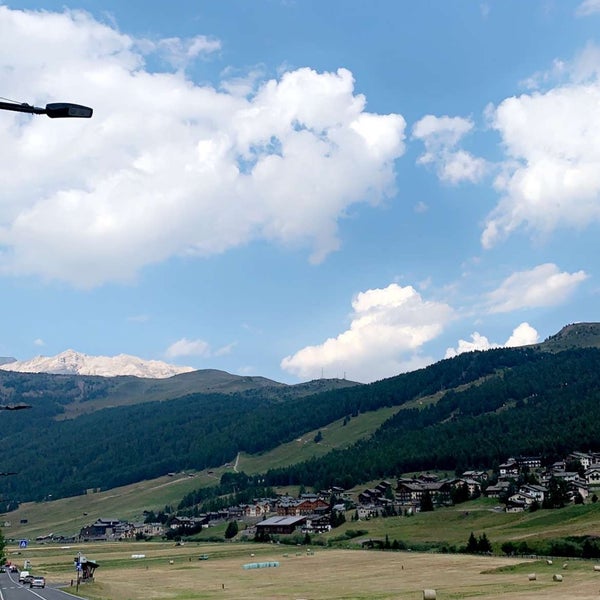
<point x="471" y="411"/>
<point x="76" y="363"/>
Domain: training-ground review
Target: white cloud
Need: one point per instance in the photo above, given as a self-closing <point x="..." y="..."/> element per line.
<point x="551" y="176"/>
<point x="166" y="167"/>
<point x="441" y="135"/>
<point x="185" y="347"/>
<point x="543" y="285"/>
<point x="522" y="335"/>
<point x="179" y="53"/>
<point x="39" y="342"/>
<point x="478" y="342"/>
<point x="224" y="350"/>
<point x="588" y="7"/>
<point x="387" y="330"/>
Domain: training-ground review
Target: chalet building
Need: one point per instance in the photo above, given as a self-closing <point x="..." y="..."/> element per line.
<point x="286" y="506"/>
<point x="413" y="492"/>
<point x="515" y="507"/>
<point x="529" y="462"/>
<point x="579" y="486"/>
<point x="509" y="469"/>
<point x="106" y="529"/>
<point x="317" y="524"/>
<point x="538" y="492"/>
<point x="257" y="509"/>
<point x="564" y="475"/>
<point x="367" y="511"/>
<point x="476" y="475"/>
<point x="189" y="523"/>
<point x="473" y="486"/>
<point x="592" y="475"/>
<point x="369" y="496"/>
<point x="586" y="459"/>
<point x="306" y="505"/>
<point x="148" y="529"/>
<point x="310" y="506"/>
<point x="522" y="498"/>
<point x="279" y="525"/>
<point x="495" y="491"/>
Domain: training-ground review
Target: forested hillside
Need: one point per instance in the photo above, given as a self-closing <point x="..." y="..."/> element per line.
<point x="549" y="406"/>
<point x="477" y="408"/>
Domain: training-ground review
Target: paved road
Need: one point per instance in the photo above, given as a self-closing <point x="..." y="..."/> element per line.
<point x="11" y="589"/>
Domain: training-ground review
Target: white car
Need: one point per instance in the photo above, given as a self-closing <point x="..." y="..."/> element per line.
<point x="37" y="582"/>
<point x="23" y="575"/>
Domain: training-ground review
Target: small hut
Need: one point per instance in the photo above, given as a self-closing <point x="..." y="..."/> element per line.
<point x="85" y="568"/>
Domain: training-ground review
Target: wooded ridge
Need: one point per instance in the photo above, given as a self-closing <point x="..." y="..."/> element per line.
<point x="477" y="407"/>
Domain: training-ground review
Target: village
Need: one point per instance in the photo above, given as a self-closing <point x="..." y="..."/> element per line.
<point x="520" y="483"/>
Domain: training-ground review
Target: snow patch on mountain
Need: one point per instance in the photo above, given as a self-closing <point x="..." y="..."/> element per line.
<point x="76" y="363"/>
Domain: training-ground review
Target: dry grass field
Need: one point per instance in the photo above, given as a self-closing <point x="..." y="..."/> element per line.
<point x="169" y="572"/>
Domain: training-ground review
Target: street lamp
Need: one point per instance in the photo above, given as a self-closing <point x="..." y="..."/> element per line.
<point x="55" y="110"/>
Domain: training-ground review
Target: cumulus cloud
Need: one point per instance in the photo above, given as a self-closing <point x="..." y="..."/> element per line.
<point x="551" y="176"/>
<point x="478" y="342"/>
<point x="180" y="53"/>
<point x="441" y="136"/>
<point x="588" y="7"/>
<point x="167" y="167"/>
<point x="388" y="328"/>
<point x="544" y="285"/>
<point x="522" y="335"/>
<point x="185" y="347"/>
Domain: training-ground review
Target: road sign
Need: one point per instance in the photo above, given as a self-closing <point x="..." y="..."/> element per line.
<point x="22" y="543"/>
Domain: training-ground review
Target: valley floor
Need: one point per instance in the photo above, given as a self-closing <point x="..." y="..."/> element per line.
<point x="167" y="572"/>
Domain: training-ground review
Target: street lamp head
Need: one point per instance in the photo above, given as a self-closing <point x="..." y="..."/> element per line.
<point x="59" y="110"/>
<point x="55" y="110"/>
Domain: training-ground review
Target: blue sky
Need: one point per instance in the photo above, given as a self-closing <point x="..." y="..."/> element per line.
<point x="295" y="188"/>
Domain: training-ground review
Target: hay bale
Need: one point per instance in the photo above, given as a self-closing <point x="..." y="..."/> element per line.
<point x="596" y="567"/>
<point x="531" y="577"/>
<point x="429" y="595"/>
<point x="557" y="577"/>
<point x="565" y="565"/>
<point x="548" y="562"/>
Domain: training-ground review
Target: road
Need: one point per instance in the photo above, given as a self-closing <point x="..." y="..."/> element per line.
<point x="11" y="589"/>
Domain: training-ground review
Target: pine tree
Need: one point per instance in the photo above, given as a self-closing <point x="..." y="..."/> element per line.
<point x="483" y="544"/>
<point x="472" y="545"/>
<point x="232" y="530"/>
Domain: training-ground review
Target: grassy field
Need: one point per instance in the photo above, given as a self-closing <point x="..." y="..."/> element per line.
<point x="335" y="435"/>
<point x="453" y="525"/>
<point x="169" y="572"/>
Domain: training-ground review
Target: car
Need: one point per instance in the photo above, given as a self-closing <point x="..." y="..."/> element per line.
<point x="23" y="575"/>
<point x="2" y="569"/>
<point x="37" y="582"/>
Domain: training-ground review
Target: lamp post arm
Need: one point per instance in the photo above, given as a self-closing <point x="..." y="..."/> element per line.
<point x="26" y="108"/>
<point x="55" y="110"/>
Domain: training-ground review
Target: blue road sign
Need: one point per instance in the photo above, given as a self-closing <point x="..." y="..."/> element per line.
<point x="22" y="543"/>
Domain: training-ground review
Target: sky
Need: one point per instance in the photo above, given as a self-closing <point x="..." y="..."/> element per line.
<point x="298" y="189"/>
